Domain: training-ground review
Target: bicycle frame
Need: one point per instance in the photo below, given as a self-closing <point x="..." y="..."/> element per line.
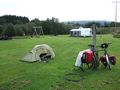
<point x="95" y="62"/>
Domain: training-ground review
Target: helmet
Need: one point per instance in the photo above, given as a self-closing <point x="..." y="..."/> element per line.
<point x="113" y="60"/>
<point x="103" y="60"/>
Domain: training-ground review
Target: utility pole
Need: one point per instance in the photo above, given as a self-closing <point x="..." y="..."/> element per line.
<point x="116" y="2"/>
<point x="94" y="36"/>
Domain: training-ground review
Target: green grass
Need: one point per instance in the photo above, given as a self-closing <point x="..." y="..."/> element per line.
<point x="17" y="75"/>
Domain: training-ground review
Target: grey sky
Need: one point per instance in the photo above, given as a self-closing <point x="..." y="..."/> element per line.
<point x="65" y="10"/>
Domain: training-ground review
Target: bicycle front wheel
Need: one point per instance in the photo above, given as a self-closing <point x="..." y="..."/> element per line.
<point x="108" y="61"/>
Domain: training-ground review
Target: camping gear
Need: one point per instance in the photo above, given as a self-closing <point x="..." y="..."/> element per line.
<point x="91" y="56"/>
<point x="85" y="56"/>
<point x="39" y="53"/>
<point x="79" y="62"/>
<point x="88" y="56"/>
<point x="103" y="60"/>
<point x="113" y="60"/>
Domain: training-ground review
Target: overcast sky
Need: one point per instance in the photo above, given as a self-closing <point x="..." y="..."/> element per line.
<point x="64" y="10"/>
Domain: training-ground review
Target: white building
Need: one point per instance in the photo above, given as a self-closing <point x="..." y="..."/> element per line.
<point x="81" y="32"/>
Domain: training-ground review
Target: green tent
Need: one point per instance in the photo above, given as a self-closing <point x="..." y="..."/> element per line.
<point x="37" y="51"/>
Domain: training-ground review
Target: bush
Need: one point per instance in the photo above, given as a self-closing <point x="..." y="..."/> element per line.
<point x="104" y="31"/>
<point x="116" y="35"/>
<point x="5" y="38"/>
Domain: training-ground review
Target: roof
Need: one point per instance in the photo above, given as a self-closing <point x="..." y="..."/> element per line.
<point x="75" y="30"/>
<point x="81" y="29"/>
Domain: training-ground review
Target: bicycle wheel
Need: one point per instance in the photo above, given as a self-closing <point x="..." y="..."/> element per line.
<point x="93" y="64"/>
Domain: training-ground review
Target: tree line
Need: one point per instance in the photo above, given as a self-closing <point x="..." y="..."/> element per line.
<point x="12" y="25"/>
<point x="102" y="28"/>
<point x="13" y="19"/>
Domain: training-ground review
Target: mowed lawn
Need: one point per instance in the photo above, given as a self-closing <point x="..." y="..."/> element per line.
<point x="17" y="75"/>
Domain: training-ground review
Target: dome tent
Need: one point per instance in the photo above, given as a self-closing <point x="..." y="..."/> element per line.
<point x="38" y="51"/>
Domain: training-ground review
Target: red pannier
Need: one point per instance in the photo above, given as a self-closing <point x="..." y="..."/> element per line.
<point x="88" y="56"/>
<point x="113" y="60"/>
<point x="103" y="60"/>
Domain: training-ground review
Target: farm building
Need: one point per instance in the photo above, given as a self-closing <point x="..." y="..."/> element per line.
<point x="81" y="32"/>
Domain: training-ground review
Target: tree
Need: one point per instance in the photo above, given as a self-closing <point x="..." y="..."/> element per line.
<point x="89" y="24"/>
<point x="36" y="22"/>
<point x="19" y="30"/>
<point x="10" y="31"/>
<point x="13" y="19"/>
<point x="112" y="24"/>
<point x="1" y="29"/>
<point x="106" y="24"/>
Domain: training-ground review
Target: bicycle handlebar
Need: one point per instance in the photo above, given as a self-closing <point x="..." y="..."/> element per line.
<point x="103" y="45"/>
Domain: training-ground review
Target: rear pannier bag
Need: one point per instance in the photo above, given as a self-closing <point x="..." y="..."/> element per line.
<point x="88" y="56"/>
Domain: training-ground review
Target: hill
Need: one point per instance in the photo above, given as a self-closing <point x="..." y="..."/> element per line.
<point x="83" y="22"/>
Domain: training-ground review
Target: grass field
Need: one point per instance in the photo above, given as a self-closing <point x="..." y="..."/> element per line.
<point x="17" y="75"/>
